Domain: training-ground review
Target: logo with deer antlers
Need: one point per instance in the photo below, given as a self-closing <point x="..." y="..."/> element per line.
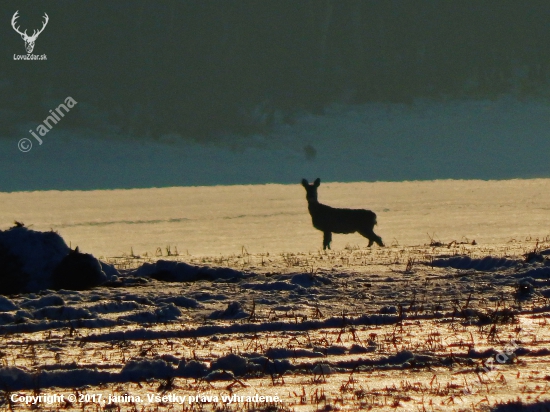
<point x="29" y="40"/>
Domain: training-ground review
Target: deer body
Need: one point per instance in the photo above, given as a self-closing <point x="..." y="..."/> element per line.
<point x="331" y="220"/>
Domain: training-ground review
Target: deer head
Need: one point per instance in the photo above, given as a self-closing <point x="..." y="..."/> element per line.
<point x="311" y="189"/>
<point x="29" y="40"/>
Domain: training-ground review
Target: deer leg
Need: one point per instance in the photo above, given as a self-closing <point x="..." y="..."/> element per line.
<point x="327" y="238"/>
<point x="372" y="237"/>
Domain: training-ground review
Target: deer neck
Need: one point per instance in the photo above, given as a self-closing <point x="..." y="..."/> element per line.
<point x="313" y="204"/>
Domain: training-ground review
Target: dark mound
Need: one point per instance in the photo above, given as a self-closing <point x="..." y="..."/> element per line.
<point x="78" y="271"/>
<point x="31" y="261"/>
<point x="519" y="406"/>
<point x="12" y="277"/>
<point x="28" y="258"/>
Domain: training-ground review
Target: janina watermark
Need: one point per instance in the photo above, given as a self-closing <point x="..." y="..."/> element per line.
<point x="490" y="369"/>
<point x="25" y="144"/>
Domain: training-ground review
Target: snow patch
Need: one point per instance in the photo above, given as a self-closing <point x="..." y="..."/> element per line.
<point x="234" y="311"/>
<point x="165" y="313"/>
<point x="271" y="286"/>
<point x="113" y="307"/>
<point x="283" y="353"/>
<point x="50" y="300"/>
<point x="181" y="301"/>
<point x="62" y="313"/>
<point x="6" y="305"/>
<point x="137" y="370"/>
<point x="234" y="363"/>
<point x="192" y="369"/>
<point x="170" y="271"/>
<point x="466" y="262"/>
<point x="307" y="280"/>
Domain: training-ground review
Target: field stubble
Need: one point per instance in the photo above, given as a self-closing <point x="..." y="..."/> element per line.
<point x="447" y="326"/>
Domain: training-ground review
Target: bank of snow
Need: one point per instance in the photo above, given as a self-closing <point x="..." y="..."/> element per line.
<point x="31" y="261"/>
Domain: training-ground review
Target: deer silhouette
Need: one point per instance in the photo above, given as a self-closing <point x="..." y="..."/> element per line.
<point x="332" y="220"/>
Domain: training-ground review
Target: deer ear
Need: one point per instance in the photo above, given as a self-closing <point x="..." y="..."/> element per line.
<point x="317" y="182"/>
<point x="305" y="183"/>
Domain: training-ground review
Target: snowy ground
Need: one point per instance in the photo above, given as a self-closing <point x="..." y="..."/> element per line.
<point x="273" y="218"/>
<point x="418" y="325"/>
<point x="386" y="329"/>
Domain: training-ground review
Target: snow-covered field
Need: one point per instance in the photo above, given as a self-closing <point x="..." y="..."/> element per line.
<point x="221" y="220"/>
<point x="223" y="293"/>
